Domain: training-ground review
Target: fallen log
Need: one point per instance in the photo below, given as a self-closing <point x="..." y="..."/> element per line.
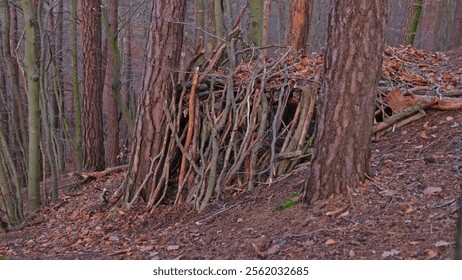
<point x="407" y="112"/>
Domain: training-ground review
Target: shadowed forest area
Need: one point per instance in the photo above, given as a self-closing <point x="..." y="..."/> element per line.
<point x="205" y="129"/>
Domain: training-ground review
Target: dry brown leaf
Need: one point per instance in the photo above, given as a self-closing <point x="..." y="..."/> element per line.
<point x="391" y="253"/>
<point x="442" y="243"/>
<point x="173" y="247"/>
<point x="330" y="242"/>
<point x="431" y="254"/>
<point x="432" y="190"/>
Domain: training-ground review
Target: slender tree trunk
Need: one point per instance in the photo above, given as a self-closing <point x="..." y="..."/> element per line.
<point x="266" y="25"/>
<point x="33" y="93"/>
<point x="299" y="25"/>
<point x="112" y="142"/>
<point x="92" y="121"/>
<point x="17" y="121"/>
<point x="256" y="22"/>
<point x="417" y="11"/>
<point x="163" y="55"/>
<point x="219" y="22"/>
<point x="76" y="88"/>
<point x="346" y="104"/>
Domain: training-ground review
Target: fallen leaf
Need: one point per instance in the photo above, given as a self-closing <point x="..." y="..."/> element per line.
<point x="113" y="238"/>
<point x="391" y="253"/>
<point x="330" y="242"/>
<point x="274" y="250"/>
<point x="442" y="243"/>
<point x="449" y="118"/>
<point x="426" y="125"/>
<point x="423" y="135"/>
<point x="308" y="243"/>
<point x="240" y="220"/>
<point x="173" y="247"/>
<point x="146" y="248"/>
<point x="409" y="210"/>
<point x="431" y="254"/>
<point x="351" y="253"/>
<point x="432" y="190"/>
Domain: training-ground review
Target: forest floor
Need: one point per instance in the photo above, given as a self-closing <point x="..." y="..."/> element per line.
<point x="407" y="210"/>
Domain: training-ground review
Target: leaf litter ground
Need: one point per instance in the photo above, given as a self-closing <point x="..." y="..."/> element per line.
<point x="407" y="210"/>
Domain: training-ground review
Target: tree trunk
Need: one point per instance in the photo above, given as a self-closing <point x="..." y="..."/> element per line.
<point x="458" y="249"/>
<point x="163" y="55"/>
<point x="92" y="121"/>
<point x="342" y="153"/>
<point x="300" y="25"/>
<point x="112" y="142"/>
<point x="256" y="22"/>
<point x="33" y="93"/>
<point x="76" y="88"/>
<point x="417" y="11"/>
<point x="266" y="25"/>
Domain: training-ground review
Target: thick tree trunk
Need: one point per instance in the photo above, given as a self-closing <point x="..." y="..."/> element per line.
<point x="300" y="25"/>
<point x="92" y="122"/>
<point x="163" y="56"/>
<point x="346" y="104"/>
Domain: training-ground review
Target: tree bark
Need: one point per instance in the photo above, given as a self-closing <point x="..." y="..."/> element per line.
<point x="256" y="22"/>
<point x="163" y="58"/>
<point x="346" y="103"/>
<point x="458" y="248"/>
<point x="112" y="142"/>
<point x="92" y="121"/>
<point x="417" y="11"/>
<point x="33" y="93"/>
<point x="300" y="25"/>
<point x="76" y="88"/>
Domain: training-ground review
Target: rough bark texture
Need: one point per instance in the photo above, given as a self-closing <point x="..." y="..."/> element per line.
<point x="92" y="121"/>
<point x="299" y="25"/>
<point x="346" y="104"/>
<point x="112" y="143"/>
<point x="76" y="88"/>
<point x="162" y="59"/>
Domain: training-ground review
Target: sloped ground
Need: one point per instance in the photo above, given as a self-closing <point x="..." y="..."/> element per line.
<point x="407" y="211"/>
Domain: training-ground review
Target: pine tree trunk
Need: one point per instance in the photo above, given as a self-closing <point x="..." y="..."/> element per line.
<point x="92" y="121"/>
<point x="300" y="25"/>
<point x="163" y="55"/>
<point x="346" y="103"/>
